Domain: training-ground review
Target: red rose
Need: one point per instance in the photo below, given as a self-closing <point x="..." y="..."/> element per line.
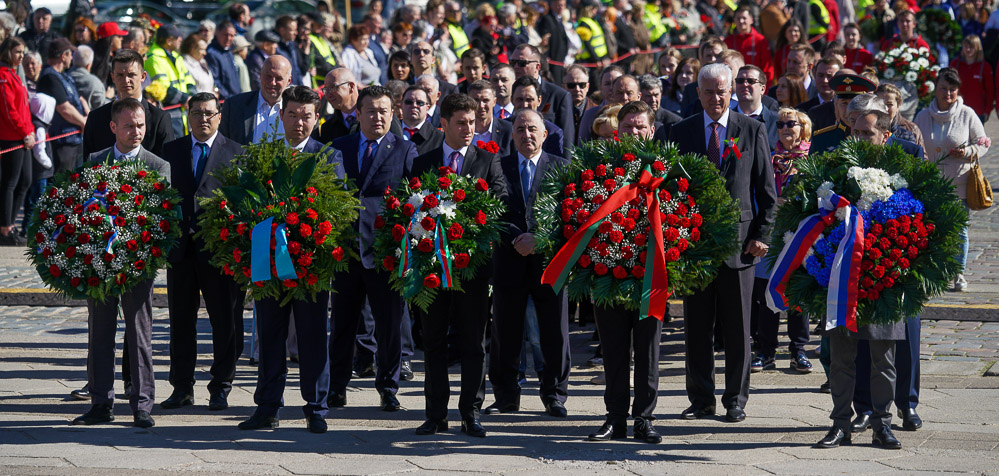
<point x="55" y="271"/>
<point x="311" y="214"/>
<point x="682" y="184"/>
<point x="628" y="157"/>
<point x="620" y="272"/>
<point x="88" y="259"/>
<point x="640" y="239"/>
<point x="638" y="272"/>
<point x="600" y="269"/>
<point x="156" y="252"/>
<point x="164" y="226"/>
<point x="461" y="260"/>
<point x="568" y="231"/>
<point x="398" y="231"/>
<point x="389" y="263"/>
<point x="480" y="218"/>
<point x="585" y="261"/>
<point x="305" y="260"/>
<point x="119" y="221"/>
<point x="289" y="283"/>
<point x="610" y="185"/>
<point x="428" y="223"/>
<point x="459" y="195"/>
<point x="605" y="227"/>
<point x="408" y="210"/>
<point x="167" y="205"/>
<point x="294" y="247"/>
<point x="697" y="220"/>
<point x="61" y="238"/>
<point x="93" y="281"/>
<point x="158" y="187"/>
<point x="125" y="188"/>
<point x="47" y="252"/>
<point x="430" y="201"/>
<point x="224" y="234"/>
<point x="324" y="228"/>
<point x="616" y="236"/>
<point x="455" y="231"/>
<point x="671" y="234"/>
<point x="114" y="210"/>
<point x="431" y="281"/>
<point x="481" y="185"/>
<point x="379" y="222"/>
<point x="40" y="237"/>
<point x="74" y="177"/>
<point x="414" y="183"/>
<point x="305" y="230"/>
<point x="444" y="183"/>
<point x="291" y="218"/>
<point x="120" y="279"/>
<point x="140" y="264"/>
<point x="672" y="254"/>
<point x="132" y="245"/>
<point x="445" y="170"/>
<point x="600" y="170"/>
<point x="44" y="215"/>
<point x="682" y="245"/>
<point x="425" y="245"/>
<point x="59" y="219"/>
<point x="145" y="236"/>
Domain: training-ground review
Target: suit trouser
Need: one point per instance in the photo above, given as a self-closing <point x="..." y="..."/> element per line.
<point x="190" y="278"/>
<point x="367" y="345"/>
<point x="906" y="368"/>
<point x="353" y="287"/>
<point x="470" y="313"/>
<point x="620" y="330"/>
<point x="768" y="322"/>
<point x="509" y="308"/>
<point x="102" y="321"/>
<point x="701" y="311"/>
<point x="313" y="365"/>
<point x="844" y="377"/>
<point x="67" y="157"/>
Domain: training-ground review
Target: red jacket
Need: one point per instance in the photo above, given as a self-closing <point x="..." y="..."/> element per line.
<point x="833" y="31"/>
<point x="858" y="58"/>
<point x="780" y="61"/>
<point x="755" y="49"/>
<point x="917" y="43"/>
<point x="15" y="117"/>
<point x="977" y="85"/>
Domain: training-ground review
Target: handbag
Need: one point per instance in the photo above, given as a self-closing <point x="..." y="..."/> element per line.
<point x="979" y="188"/>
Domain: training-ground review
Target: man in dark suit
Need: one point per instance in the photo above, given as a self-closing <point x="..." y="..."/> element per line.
<point x="340" y="89"/>
<point x="416" y="127"/>
<point x="651" y="94"/>
<point x="749" y="85"/>
<point x="467" y="310"/>
<point x="424" y="63"/>
<point x="192" y="159"/>
<point x="577" y="82"/>
<point x="248" y="116"/>
<point x="825" y="69"/>
<point x="128" y="123"/>
<point x="526" y="61"/>
<point x="527" y="95"/>
<point x="517" y="275"/>
<point x="551" y="26"/>
<point x="750" y="180"/>
<point x="607" y="77"/>
<point x="375" y="160"/>
<point x="487" y="127"/>
<point x="800" y="61"/>
<point x="298" y="116"/>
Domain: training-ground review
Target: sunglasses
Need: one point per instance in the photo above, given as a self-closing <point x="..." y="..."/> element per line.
<point x="787" y="124"/>
<point x="522" y="63"/>
<point x="422" y="51"/>
<point x="749" y="81"/>
<point x="411" y="102"/>
<point x="576" y="85"/>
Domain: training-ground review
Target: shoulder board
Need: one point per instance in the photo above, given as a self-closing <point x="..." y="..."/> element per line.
<point x="826" y="129"/>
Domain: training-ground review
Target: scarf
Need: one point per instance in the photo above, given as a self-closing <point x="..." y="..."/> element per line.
<point x="783" y="162"/>
<point x="945" y="116"/>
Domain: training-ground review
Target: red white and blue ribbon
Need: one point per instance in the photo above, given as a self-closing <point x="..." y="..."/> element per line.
<point x="844" y="278"/>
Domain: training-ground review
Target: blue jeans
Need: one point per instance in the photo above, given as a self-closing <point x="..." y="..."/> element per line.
<point x="965" y="242"/>
<point x="532" y="336"/>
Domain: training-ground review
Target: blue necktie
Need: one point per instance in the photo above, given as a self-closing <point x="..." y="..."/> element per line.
<point x="525" y="178"/>
<point x="199" y="167"/>
<point x="369" y="154"/>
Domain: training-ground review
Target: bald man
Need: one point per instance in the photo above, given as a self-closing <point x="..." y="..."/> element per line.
<point x="250" y="117"/>
<point x="340" y="92"/>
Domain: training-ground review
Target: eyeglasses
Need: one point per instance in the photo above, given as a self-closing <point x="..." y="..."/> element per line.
<point x="205" y="114"/>
<point x="411" y="102"/>
<point x="522" y="63"/>
<point x="787" y="124"/>
<point x="422" y="51"/>
<point x="749" y="81"/>
<point x="576" y="85"/>
<point x="334" y="87"/>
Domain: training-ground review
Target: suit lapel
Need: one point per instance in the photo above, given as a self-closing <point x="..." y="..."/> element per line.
<point x="539" y="175"/>
<point x="512" y="171"/>
<point x="350" y="159"/>
<point x="733" y="130"/>
<point x="213" y="156"/>
<point x="250" y="118"/>
<point x="470" y="161"/>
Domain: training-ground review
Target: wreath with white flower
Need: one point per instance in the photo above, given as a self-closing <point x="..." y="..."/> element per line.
<point x="905" y="64"/>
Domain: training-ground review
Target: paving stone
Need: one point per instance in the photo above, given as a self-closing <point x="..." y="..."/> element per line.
<point x="821" y="467"/>
<point x="942" y="367"/>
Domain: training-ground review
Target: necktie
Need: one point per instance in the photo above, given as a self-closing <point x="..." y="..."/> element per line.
<point x="199" y="167"/>
<point x="714" y="146"/>
<point x="410" y="131"/>
<point x="756" y="116"/>
<point x="453" y="162"/>
<point x="525" y="178"/>
<point x="350" y="121"/>
<point x="369" y="153"/>
<point x="504" y="114"/>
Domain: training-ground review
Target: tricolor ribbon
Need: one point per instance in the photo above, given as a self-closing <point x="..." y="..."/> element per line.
<point x="844" y="278"/>
<point x="440" y="250"/>
<point x="655" y="285"/>
<point x="260" y="252"/>
<point x="97" y="198"/>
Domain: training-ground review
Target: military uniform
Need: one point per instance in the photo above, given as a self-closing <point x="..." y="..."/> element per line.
<point x="828" y="139"/>
<point x="846" y="86"/>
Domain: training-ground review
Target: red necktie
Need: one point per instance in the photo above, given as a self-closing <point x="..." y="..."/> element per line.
<point x="412" y="132"/>
<point x="504" y="114"/>
<point x="714" y="146"/>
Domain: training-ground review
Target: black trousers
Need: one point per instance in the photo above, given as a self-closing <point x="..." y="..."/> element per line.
<point x="67" y="157"/>
<point x="15" y="180"/>
<point x="353" y="287"/>
<point x="187" y="280"/>
<point x="313" y="363"/>
<point x="469" y="311"/>
<point x="845" y="378"/>
<point x="766" y="322"/>
<point x="726" y="300"/>
<point x="509" y="307"/>
<point x="102" y="323"/>
<point x="620" y="330"/>
<point x="906" y="370"/>
<point x="367" y="344"/>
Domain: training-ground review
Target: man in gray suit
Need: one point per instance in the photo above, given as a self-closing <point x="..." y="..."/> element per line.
<point x="128" y="123"/>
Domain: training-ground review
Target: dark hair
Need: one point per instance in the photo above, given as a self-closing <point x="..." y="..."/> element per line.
<point x="499" y="66"/>
<point x="453" y="103"/>
<point x="905" y="12"/>
<point x="374" y="92"/>
<point x="529" y="47"/>
<point x="189" y="43"/>
<point x="674" y="88"/>
<point x="283" y="21"/>
<point x="524" y="82"/>
<point x="575" y="67"/>
<point x="126" y="57"/>
<point x="949" y="75"/>
<point x="402" y="27"/>
<point x="481" y="85"/>
<point x="224" y="25"/>
<point x="610" y="69"/>
<point x="473" y="53"/>
<point x="782" y="36"/>
<point x="401" y="56"/>
<point x="806" y="49"/>
<point x="830" y="61"/>
<point x="796" y="85"/>
<point x="299" y="94"/>
<point x="415" y="88"/>
<point x="235" y="10"/>
<point x="199" y="98"/>
<point x="636" y="107"/>
<point x="125" y="105"/>
<point x="357" y="31"/>
<point x="8" y="46"/>
<point x="759" y="73"/>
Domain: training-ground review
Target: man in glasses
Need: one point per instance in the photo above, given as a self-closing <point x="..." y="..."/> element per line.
<point x="526" y="61"/>
<point x="193" y="159"/>
<point x="425" y="63"/>
<point x="416" y="127"/>
<point x="340" y="91"/>
<point x="749" y="86"/>
<point x="577" y="82"/>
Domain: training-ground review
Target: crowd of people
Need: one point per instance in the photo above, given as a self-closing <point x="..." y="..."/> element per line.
<point x="411" y="89"/>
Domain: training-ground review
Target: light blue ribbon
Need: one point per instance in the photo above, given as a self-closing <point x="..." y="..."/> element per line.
<point x="260" y="253"/>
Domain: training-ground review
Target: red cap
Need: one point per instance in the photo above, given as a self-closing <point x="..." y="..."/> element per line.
<point x="110" y="29"/>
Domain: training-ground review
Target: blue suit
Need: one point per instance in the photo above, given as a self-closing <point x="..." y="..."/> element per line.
<point x="367" y="280"/>
<point x="223" y="67"/>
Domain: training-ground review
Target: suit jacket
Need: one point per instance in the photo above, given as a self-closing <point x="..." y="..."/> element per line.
<point x="908" y="147"/>
<point x="663" y="128"/>
<point x="153" y="162"/>
<point x="553" y="143"/>
<point x="586" y="122"/>
<point x="503" y="136"/>
<point x="509" y="267"/>
<point x="334" y="127"/>
<point x="445" y="88"/>
<point x="692" y="102"/>
<point x="392" y="163"/>
<point x="770" y="122"/>
<point x="822" y="116"/>
<point x="810" y="92"/>
<point x="427" y="138"/>
<point x="97" y="133"/>
<point x="254" y="63"/>
<point x="558" y="43"/>
<point x="749" y="179"/>
<point x="556" y="100"/>
<point x="238" y="114"/>
<point x="478" y="163"/>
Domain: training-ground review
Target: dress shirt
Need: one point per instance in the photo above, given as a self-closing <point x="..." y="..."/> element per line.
<point x="346" y="117"/>
<point x="405" y="128"/>
<point x="508" y="107"/>
<point x="196" y="151"/>
<point x="722" y="128"/>
<point x="758" y="112"/>
<point x="267" y="119"/>
<point x="808" y="81"/>
<point x="120" y="156"/>
<point x="432" y="110"/>
<point x="461" y="160"/>
<point x="298" y="147"/>
<point x="361" y="147"/>
<point x="534" y="168"/>
<point x="485" y="136"/>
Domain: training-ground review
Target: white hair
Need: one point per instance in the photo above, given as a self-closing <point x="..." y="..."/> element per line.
<point x="867" y="103"/>
<point x="83" y="56"/>
<point x="715" y="71"/>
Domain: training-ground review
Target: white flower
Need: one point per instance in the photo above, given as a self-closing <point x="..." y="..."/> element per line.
<point x="898" y="182"/>
<point x="842" y="212"/>
<point x="911" y="76"/>
<point x="929" y="86"/>
<point x="416" y="199"/>
<point x="889" y="73"/>
<point x="923" y="63"/>
<point x="446" y="208"/>
<point x="788" y="237"/>
<point x="875" y="185"/>
<point x="825" y="190"/>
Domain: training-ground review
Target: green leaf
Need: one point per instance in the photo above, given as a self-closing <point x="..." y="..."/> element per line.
<point x="252" y="186"/>
<point x="303" y="173"/>
<point x="282" y="177"/>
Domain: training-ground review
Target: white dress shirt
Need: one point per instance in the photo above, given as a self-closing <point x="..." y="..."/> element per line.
<point x="267" y="119"/>
<point x="298" y="147"/>
<point x="405" y="133"/>
<point x="722" y="129"/>
<point x="487" y="135"/>
<point x="130" y="155"/>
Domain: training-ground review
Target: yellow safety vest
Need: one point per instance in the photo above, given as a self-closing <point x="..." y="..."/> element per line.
<point x="653" y="22"/>
<point x="171" y="72"/>
<point x="459" y="40"/>
<point x="323" y="48"/>
<point x="589" y="31"/>
<point x="815" y="27"/>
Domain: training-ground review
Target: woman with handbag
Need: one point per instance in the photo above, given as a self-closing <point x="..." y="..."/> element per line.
<point x="954" y="134"/>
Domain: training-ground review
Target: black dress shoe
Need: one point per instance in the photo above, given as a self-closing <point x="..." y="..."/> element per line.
<point x="610" y="430"/>
<point x="834" y="438"/>
<point x="645" y="432"/>
<point x="406" y="371"/>
<point x="142" y="419"/>
<point x="472" y="427"/>
<point x="824" y="388"/>
<point x="317" y="424"/>
<point x="695" y="412"/>
<point x="177" y="399"/>
<point x="735" y="414"/>
<point x="336" y="400"/>
<point x="365" y="371"/>
<point x="96" y="415"/>
<point x="556" y="409"/>
<point x="910" y="419"/>
<point x="430" y="427"/>
<point x="258" y="421"/>
<point x="884" y="438"/>
<point x="497" y="408"/>
<point x="218" y="401"/>
<point x="861" y="423"/>
<point x="389" y="402"/>
<point x="81" y="394"/>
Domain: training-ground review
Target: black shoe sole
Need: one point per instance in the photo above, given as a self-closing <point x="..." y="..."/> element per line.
<point x="829" y="447"/>
<point x="622" y="436"/>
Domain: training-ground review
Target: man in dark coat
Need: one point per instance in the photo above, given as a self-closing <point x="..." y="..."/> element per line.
<point x="416" y="126"/>
<point x="487" y="127"/>
<point x="550" y="27"/>
<point x="526" y="62"/>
